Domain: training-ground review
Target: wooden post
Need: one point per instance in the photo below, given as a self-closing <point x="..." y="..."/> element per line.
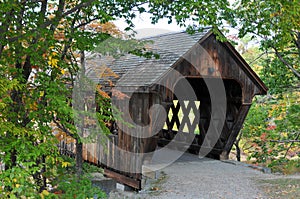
<point x="235" y="130"/>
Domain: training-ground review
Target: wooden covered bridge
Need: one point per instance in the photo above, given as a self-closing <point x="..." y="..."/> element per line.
<point x="195" y="97"/>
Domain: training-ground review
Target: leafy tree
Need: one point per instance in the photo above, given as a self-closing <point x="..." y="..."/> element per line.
<point x="39" y="47"/>
<point x="277" y="26"/>
<point x="270" y="133"/>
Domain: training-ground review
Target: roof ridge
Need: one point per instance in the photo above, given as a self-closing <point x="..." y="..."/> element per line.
<point x="175" y="32"/>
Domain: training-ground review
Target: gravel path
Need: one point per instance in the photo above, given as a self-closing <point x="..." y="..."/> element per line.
<point x="207" y="178"/>
<point x="192" y="177"/>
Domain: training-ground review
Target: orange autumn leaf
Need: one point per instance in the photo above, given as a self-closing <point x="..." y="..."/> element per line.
<point x="263" y="136"/>
<point x="101" y="92"/>
<point x="108" y="72"/>
<point x="118" y="94"/>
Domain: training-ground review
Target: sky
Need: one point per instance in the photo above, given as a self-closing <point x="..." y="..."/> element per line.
<point x="144" y="27"/>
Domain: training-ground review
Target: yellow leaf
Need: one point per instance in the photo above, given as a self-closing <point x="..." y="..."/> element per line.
<point x="45" y="192"/>
<point x="41" y="93"/>
<point x="52" y="61"/>
<point x="17" y="185"/>
<point x="65" y="164"/>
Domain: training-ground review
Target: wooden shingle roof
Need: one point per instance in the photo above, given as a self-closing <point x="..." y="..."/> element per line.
<point x="135" y="71"/>
<point x="170" y="47"/>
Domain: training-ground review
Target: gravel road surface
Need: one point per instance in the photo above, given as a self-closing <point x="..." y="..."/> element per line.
<point x="192" y="177"/>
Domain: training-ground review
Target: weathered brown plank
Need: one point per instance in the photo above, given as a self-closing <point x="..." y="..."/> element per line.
<point x="123" y="179"/>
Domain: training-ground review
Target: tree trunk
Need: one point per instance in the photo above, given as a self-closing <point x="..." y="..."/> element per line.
<point x="238" y="151"/>
<point x="79" y="159"/>
<point x="39" y="177"/>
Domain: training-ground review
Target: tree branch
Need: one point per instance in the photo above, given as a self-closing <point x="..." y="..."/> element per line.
<point x="54" y="22"/>
<point x="285" y="141"/>
<point x="59" y="15"/>
<point x="43" y="10"/>
<point x="77" y="7"/>
<point x="4" y="28"/>
<point x="296" y="73"/>
<point x="63" y="128"/>
<point x="258" y="57"/>
<point x="68" y="44"/>
<point x="36" y="1"/>
<point x="87" y="22"/>
<point x="297" y="40"/>
<point x="297" y="137"/>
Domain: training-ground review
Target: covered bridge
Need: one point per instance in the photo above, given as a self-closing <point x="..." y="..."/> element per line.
<point x="195" y="97"/>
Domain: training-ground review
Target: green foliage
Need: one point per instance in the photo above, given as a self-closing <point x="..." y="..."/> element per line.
<point x="204" y="13"/>
<point x="271" y="142"/>
<point x="277" y="26"/>
<point x="254" y="130"/>
<point x="117" y="47"/>
<point x="268" y="129"/>
<point x="273" y="121"/>
<point x="277" y="77"/>
<point x="83" y="188"/>
<point x="39" y="42"/>
<point x="273" y="19"/>
<point x="285" y="166"/>
<point x="89" y="168"/>
<point x="67" y="184"/>
<point x="21" y="180"/>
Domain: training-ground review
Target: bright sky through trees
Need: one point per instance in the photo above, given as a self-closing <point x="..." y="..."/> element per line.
<point x="144" y="27"/>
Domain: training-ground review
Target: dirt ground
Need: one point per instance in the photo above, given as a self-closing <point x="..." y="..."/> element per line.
<point x="195" y="177"/>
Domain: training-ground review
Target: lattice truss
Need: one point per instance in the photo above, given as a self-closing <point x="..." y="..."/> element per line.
<point x="183" y="116"/>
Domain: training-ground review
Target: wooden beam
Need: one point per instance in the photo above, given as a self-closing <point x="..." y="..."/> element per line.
<point x="135" y="183"/>
<point x="238" y="124"/>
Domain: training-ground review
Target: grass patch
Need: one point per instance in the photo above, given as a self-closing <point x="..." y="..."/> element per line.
<point x="285" y="166"/>
<point x="89" y="168"/>
<point x="67" y="185"/>
<point x="281" y="188"/>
